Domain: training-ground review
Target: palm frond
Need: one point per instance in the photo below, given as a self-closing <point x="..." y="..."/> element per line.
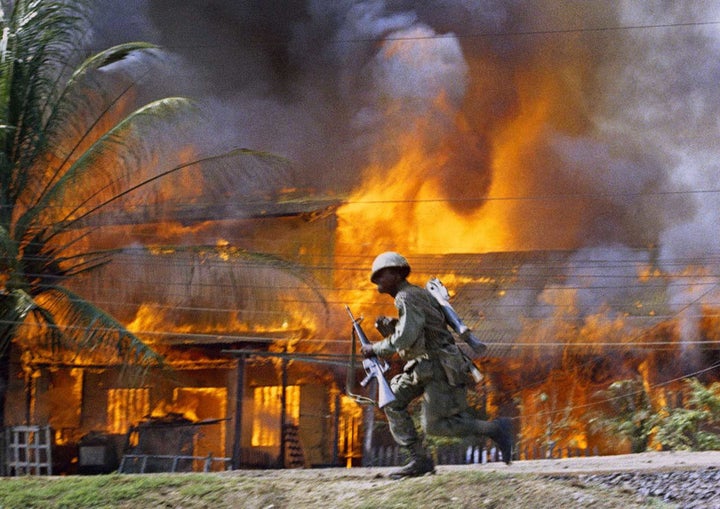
<point x="14" y="307"/>
<point x="41" y="36"/>
<point x="109" y="56"/>
<point x="87" y="261"/>
<point x="57" y="131"/>
<point x="89" y="330"/>
<point x="79" y="98"/>
<point x="233" y="175"/>
<point x="297" y="270"/>
<point x="73" y="121"/>
<point x="224" y="288"/>
<point x="120" y="143"/>
<point x="245" y="174"/>
<point x="73" y="145"/>
<point x="8" y="251"/>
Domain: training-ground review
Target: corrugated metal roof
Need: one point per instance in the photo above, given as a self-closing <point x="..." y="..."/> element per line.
<point x="225" y="210"/>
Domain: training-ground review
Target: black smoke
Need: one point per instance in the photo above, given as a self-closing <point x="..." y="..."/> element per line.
<point x="628" y="150"/>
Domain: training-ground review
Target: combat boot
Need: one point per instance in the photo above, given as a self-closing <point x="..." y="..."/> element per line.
<point x="420" y="464"/>
<point x="501" y="432"/>
<point x="503" y="437"/>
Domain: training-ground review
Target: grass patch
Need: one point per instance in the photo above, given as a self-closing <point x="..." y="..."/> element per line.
<point x="337" y="488"/>
<point x="113" y="491"/>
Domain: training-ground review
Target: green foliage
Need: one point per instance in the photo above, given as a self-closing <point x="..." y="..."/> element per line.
<point x="695" y="425"/>
<point x="555" y="418"/>
<point x="629" y="413"/>
<point x="52" y="103"/>
<point x="79" y="147"/>
<point x="75" y="148"/>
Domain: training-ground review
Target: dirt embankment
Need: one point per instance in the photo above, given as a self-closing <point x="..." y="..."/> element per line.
<point x="659" y="479"/>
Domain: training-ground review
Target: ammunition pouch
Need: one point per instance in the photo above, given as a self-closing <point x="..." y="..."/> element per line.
<point x="455" y="365"/>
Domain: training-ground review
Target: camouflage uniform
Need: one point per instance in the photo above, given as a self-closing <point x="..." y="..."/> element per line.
<point x="435" y="369"/>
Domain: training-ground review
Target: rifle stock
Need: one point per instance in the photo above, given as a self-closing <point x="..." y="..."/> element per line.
<point x="374" y="367"/>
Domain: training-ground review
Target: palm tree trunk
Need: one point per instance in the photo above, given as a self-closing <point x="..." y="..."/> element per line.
<point x="4" y="381"/>
<point x="14" y="307"/>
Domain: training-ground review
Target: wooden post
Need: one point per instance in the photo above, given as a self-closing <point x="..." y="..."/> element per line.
<point x="239" y="392"/>
<point x="283" y="412"/>
<point x="336" y="434"/>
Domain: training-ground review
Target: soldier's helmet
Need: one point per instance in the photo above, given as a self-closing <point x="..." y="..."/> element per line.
<point x="386" y="260"/>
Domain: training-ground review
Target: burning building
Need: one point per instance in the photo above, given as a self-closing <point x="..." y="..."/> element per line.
<point x="215" y="298"/>
<point x="257" y="346"/>
<point x="553" y="163"/>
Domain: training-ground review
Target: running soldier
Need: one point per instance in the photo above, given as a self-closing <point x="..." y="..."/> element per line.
<point x="435" y="368"/>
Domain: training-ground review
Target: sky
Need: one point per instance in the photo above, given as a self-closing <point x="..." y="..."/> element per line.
<point x="602" y="115"/>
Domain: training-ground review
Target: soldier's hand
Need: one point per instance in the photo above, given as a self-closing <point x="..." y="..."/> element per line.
<point x="367" y="351"/>
<point x="385" y="325"/>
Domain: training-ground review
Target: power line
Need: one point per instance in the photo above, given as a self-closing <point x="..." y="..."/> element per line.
<point x="565" y="259"/>
<point x="543" y="197"/>
<point x="558" y="31"/>
<point x="274" y="338"/>
<point x="169" y="207"/>
<point x="615" y="398"/>
<point x="257" y="41"/>
<point x="513" y="285"/>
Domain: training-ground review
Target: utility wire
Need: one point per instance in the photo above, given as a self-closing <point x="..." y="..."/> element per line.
<point x="233" y="205"/>
<point x="276" y="338"/>
<point x="623" y="396"/>
<point x="257" y="41"/>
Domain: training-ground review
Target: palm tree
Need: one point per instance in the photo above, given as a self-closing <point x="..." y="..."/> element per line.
<point x="72" y="149"/>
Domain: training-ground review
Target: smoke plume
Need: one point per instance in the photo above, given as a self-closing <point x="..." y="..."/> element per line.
<point x="588" y="126"/>
<point x="625" y="97"/>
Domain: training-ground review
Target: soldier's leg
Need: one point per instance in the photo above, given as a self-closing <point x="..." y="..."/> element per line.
<point x="400" y="421"/>
<point x="406" y="388"/>
<point x="446" y="413"/>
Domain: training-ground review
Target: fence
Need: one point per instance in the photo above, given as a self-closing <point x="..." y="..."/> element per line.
<point x="537" y="452"/>
<point x="27" y="450"/>
<point x="145" y="463"/>
<point x="464" y="454"/>
<point x="460" y="454"/>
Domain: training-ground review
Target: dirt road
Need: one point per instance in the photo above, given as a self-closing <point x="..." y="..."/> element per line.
<point x="574" y="482"/>
<point x="644" y="462"/>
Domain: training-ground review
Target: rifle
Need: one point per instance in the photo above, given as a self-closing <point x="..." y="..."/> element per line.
<point x="438" y="290"/>
<point x="441" y="294"/>
<point x="374" y="367"/>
